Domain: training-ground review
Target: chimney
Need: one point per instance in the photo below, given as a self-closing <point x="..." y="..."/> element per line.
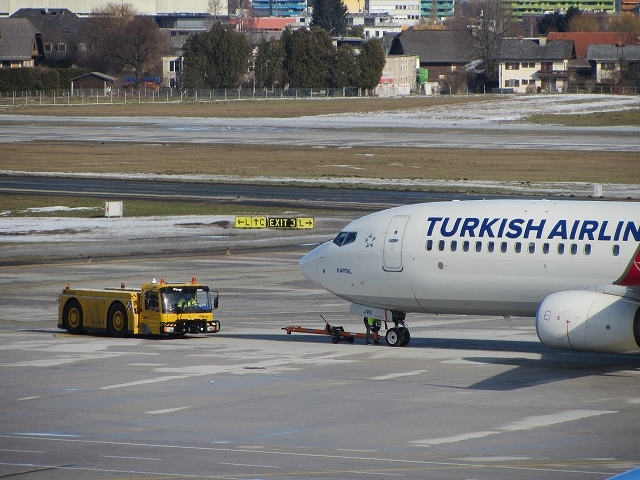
<point x="542" y="40"/>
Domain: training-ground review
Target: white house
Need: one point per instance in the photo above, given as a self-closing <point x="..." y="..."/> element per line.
<point x="529" y="65"/>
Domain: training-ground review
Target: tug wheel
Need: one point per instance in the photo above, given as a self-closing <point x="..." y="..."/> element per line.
<point x="72" y="316"/>
<point x="118" y="320"/>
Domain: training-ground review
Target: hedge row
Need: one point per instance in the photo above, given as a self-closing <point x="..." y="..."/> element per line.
<point x="32" y="79"/>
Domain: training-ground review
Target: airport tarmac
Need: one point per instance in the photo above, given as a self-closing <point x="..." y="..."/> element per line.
<point x="468" y="398"/>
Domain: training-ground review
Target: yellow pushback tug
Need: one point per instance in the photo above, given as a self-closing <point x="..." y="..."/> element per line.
<point x="156" y="309"/>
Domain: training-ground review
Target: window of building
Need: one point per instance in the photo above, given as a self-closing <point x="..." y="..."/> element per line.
<point x="524" y="81"/>
<point x="512" y="82"/>
<point x="48" y="47"/>
<point x="546" y="66"/>
<point x="62" y="47"/>
<point x="512" y="66"/>
<point x="608" y="66"/>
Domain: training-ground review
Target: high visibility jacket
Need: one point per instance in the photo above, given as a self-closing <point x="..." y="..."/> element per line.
<point x="372" y="321"/>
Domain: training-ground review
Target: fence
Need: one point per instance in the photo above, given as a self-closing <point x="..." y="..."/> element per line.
<point x="170" y="95"/>
<point x="174" y="95"/>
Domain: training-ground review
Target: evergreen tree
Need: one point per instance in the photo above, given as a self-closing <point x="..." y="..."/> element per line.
<point x="307" y="56"/>
<point x="371" y="62"/>
<point x="269" y="59"/>
<point x="330" y="15"/>
<point x="216" y="59"/>
<point x="344" y="72"/>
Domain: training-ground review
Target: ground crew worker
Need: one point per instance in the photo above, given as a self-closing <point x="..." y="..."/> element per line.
<point x="187" y="301"/>
<point x="372" y="325"/>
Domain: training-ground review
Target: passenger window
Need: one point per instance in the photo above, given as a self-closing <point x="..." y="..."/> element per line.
<point x="503" y="247"/>
<point x="490" y="247"/>
<point x="429" y="245"/>
<point x="545" y="248"/>
<point x="465" y="246"/>
<point x="616" y="250"/>
<point x="531" y="247"/>
<point x="518" y="247"/>
<point x="560" y="248"/>
<point x="345" y="238"/>
<point x="587" y="249"/>
<point x="478" y="246"/>
<point x="454" y="245"/>
<point x="441" y="245"/>
<point x="574" y="249"/>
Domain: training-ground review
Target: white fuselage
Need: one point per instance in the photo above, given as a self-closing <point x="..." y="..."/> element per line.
<point x="499" y="257"/>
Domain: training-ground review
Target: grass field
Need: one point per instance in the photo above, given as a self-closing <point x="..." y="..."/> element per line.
<point x="309" y="162"/>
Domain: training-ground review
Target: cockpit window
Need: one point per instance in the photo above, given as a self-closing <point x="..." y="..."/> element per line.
<point x="345" y="238"/>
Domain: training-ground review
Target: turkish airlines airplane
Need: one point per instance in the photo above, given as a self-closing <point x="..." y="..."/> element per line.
<point x="574" y="265"/>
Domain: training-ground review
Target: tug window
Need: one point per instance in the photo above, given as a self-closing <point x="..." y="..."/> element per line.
<point x="345" y="238"/>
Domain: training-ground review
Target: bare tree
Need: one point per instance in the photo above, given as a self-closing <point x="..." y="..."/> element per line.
<point x="102" y="32"/>
<point x="481" y="26"/>
<point x="121" y="41"/>
<point x="141" y="46"/>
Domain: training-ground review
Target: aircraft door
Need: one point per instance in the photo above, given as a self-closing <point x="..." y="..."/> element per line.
<point x="392" y="252"/>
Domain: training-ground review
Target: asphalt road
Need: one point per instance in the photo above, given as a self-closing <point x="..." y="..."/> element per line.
<point x="326" y="198"/>
<point x="468" y="398"/>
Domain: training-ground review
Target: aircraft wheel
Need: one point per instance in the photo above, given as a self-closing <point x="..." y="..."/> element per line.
<point x="393" y="337"/>
<point x="335" y="339"/>
<point x="406" y="339"/>
<point x="72" y="316"/>
<point x="118" y="320"/>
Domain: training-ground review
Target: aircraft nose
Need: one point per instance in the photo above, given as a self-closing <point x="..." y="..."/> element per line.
<point x="309" y="266"/>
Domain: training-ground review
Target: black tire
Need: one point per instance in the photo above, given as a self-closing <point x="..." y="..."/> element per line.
<point x="335" y="339"/>
<point x="406" y="339"/>
<point x="351" y="339"/>
<point x="393" y="337"/>
<point x="72" y="317"/>
<point x="118" y="320"/>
